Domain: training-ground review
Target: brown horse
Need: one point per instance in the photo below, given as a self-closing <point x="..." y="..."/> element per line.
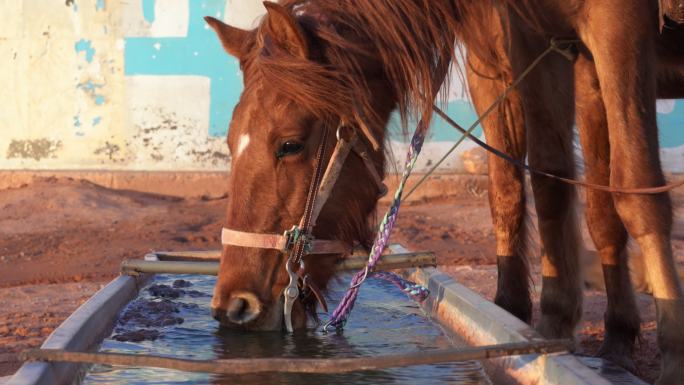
<point x="313" y="65"/>
<point x="507" y="131"/>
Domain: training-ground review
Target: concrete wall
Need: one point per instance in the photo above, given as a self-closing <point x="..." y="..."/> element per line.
<point x="144" y="85"/>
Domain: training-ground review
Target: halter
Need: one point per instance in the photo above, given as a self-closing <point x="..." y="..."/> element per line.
<point x="299" y="241"/>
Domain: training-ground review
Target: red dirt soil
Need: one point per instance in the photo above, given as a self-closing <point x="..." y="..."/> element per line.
<point x="62" y="239"/>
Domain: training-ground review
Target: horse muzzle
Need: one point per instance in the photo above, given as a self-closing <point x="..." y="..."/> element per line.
<point x="245" y="311"/>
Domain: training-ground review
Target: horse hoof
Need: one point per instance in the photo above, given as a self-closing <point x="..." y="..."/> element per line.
<point x="618" y="357"/>
<point x="553" y="328"/>
<point x="672" y="368"/>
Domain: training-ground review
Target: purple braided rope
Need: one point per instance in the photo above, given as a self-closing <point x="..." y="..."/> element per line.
<point x="415" y="291"/>
<point x="343" y="310"/>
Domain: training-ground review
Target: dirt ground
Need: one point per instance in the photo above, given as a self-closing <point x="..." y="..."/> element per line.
<point x="62" y="239"/>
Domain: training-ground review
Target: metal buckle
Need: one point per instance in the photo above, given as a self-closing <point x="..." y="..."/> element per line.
<point x="291" y="237"/>
<point x="340" y="133"/>
<point x="295" y="235"/>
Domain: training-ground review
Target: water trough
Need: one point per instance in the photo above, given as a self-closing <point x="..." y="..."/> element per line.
<point x="458" y="309"/>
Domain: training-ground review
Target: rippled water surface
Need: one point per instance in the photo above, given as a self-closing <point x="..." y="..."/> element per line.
<point x="384" y="321"/>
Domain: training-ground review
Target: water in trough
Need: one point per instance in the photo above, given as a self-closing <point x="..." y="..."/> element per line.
<point x="171" y="317"/>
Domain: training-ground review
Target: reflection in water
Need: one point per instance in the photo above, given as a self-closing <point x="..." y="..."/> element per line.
<point x="384" y="321"/>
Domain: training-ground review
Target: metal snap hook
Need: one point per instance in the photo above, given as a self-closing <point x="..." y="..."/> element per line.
<point x="290" y="295"/>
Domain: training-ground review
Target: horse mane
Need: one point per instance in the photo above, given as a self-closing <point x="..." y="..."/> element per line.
<point x="409" y="40"/>
<point x="412" y="40"/>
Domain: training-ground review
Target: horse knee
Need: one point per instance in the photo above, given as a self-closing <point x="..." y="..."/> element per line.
<point x="507" y="206"/>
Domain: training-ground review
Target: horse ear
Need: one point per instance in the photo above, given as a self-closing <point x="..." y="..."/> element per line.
<point x="231" y="38"/>
<point x="282" y="28"/>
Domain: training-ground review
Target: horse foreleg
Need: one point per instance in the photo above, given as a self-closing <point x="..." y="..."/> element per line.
<point x="549" y="106"/>
<point x="506" y="131"/>
<point x="624" y="53"/>
<point x="607" y="231"/>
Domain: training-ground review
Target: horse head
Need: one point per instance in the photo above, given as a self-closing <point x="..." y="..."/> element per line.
<point x="298" y="94"/>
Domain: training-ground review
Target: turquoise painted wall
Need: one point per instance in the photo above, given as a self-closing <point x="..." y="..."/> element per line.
<point x="198" y="53"/>
<point x="145" y="84"/>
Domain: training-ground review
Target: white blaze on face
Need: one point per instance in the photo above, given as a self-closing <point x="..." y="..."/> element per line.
<point x="242" y="144"/>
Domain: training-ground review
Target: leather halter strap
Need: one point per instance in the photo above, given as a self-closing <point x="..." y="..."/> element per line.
<point x="279" y="242"/>
<point x="570" y="181"/>
<point x="332" y="172"/>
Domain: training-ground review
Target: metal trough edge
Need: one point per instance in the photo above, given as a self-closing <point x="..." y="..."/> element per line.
<point x="481" y="322"/>
<point x="477" y="320"/>
<point x="84" y="329"/>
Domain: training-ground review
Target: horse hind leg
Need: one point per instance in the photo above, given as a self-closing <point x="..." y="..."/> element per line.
<point x="607" y="231"/>
<point x="626" y="43"/>
<point x="505" y="131"/>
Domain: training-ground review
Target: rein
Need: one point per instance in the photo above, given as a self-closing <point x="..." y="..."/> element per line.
<point x="562" y="47"/>
<point x="571" y="181"/>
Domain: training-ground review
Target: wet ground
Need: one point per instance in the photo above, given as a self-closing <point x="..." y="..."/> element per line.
<point x="172" y="317"/>
<point x="61" y="239"/>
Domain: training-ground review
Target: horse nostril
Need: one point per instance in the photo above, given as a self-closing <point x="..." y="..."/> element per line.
<point x="243" y="307"/>
<point x="236" y="308"/>
<point x="216" y="313"/>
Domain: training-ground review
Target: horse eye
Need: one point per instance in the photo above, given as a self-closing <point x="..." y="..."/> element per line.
<point x="290" y="147"/>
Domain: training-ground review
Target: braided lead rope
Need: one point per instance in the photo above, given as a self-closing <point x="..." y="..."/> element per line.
<point x="344" y="308"/>
<point x="415" y="291"/>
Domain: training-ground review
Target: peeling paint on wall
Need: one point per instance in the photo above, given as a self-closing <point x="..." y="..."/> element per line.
<point x="91" y="88"/>
<point x="35" y="149"/>
<point x="86" y="47"/>
<point x="110" y="150"/>
<point x="175" y="139"/>
<point x="148" y="10"/>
